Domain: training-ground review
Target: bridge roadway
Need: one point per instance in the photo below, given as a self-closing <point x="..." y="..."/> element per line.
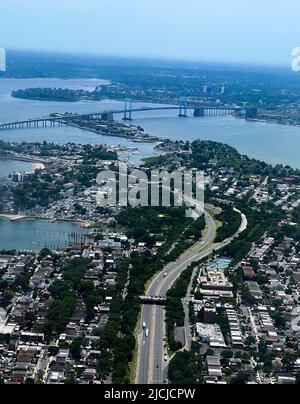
<point x="63" y="120"/>
<point x="156" y="300"/>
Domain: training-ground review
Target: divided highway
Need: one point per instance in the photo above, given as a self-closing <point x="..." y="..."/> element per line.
<point x="151" y="366"/>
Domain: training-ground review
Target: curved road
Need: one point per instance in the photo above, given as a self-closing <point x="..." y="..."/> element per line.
<point x="151" y="368"/>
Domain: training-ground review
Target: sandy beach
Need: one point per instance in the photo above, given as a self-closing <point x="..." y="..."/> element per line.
<point x="13" y="218"/>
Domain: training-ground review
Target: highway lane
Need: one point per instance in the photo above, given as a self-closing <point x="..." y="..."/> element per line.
<point x="150" y="362"/>
<point x="144" y="345"/>
<point x="156" y="366"/>
<point x="151" y="367"/>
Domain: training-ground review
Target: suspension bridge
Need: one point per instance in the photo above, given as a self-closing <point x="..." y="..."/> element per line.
<point x="127" y="112"/>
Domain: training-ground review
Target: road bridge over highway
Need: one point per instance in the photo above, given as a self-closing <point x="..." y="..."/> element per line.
<point x="153" y="300"/>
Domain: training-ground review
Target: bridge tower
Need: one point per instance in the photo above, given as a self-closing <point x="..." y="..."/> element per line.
<point x="199" y="112"/>
<point x="251" y="113"/>
<point x="128" y="110"/>
<point x="107" y="116"/>
<point x="183" y="108"/>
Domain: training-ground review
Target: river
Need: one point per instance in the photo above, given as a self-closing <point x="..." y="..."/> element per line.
<point x="269" y="142"/>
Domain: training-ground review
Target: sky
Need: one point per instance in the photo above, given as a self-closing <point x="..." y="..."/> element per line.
<point x="256" y="31"/>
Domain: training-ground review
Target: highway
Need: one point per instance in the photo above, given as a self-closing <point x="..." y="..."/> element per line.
<point x="151" y="366"/>
<point x="150" y="369"/>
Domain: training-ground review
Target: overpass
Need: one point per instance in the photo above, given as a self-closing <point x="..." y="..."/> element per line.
<point x="60" y="119"/>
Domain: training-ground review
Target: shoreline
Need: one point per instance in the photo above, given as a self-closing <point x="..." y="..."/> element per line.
<point x="257" y="120"/>
<point x="15" y="218"/>
<point x="119" y="135"/>
<point x="25" y="159"/>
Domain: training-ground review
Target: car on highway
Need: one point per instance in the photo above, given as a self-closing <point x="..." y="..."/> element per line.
<point x="147" y="333"/>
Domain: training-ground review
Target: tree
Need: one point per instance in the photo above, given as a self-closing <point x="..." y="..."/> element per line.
<point x="45" y="252"/>
<point x="288" y="361"/>
<point x="250" y="341"/>
<point x="105" y="364"/>
<point x="30" y="317"/>
<point x="240" y="378"/>
<point x="75" y="348"/>
<point x="280" y="322"/>
<point x="185" y="368"/>
<point x="70" y="379"/>
<point x="227" y="355"/>
<point x="53" y="350"/>
<point x="8" y="296"/>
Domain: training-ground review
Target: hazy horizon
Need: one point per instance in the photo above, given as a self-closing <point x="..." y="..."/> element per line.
<point x="155" y="59"/>
<point x="260" y="32"/>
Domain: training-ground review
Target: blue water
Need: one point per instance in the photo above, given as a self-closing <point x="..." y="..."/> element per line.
<point x="7" y="167"/>
<point x="36" y="234"/>
<point x="268" y="142"/>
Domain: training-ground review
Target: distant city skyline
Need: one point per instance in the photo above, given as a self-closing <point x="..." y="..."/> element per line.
<point x="244" y="31"/>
